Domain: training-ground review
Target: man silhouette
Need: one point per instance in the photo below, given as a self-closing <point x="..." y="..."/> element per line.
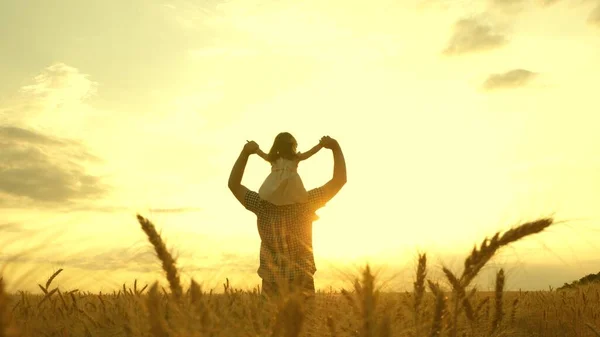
<point x="286" y="256"/>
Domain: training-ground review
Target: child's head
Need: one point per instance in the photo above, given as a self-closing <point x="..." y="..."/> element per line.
<point x="284" y="146"/>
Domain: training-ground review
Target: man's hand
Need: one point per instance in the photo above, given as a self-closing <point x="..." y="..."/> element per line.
<point x="250" y="147"/>
<point x="332" y="187"/>
<point x="237" y="172"/>
<point x="328" y="142"/>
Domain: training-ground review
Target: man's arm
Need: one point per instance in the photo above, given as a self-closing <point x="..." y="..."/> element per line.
<point x="237" y="172"/>
<point x="311" y="152"/>
<point x="333" y="186"/>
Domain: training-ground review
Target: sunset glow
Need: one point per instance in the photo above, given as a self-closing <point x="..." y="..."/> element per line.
<point x="451" y="132"/>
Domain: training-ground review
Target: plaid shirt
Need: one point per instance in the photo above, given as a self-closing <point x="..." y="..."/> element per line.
<point x="286" y="235"/>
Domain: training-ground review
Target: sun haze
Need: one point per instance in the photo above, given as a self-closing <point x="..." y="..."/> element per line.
<point x="457" y="119"/>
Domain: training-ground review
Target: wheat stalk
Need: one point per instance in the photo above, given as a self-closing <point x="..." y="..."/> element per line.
<point x="439" y="309"/>
<point x="499" y="309"/>
<point x="459" y="297"/>
<point x="47" y="296"/>
<point x="513" y="312"/>
<point x="290" y="317"/>
<point x="51" y="278"/>
<point x="7" y="329"/>
<point x="331" y="326"/>
<point x="158" y="326"/>
<point x="479" y="257"/>
<point x="477" y="260"/>
<point x="419" y="291"/>
<point x="368" y="301"/>
<point x="593" y="328"/>
<point x="168" y="262"/>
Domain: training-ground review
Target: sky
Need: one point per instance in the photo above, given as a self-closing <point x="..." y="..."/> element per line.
<point x="457" y="119"/>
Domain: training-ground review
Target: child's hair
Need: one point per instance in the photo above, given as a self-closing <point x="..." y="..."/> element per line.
<point x="283" y="147"/>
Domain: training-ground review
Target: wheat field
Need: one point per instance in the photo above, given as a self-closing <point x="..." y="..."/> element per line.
<point x="448" y="307"/>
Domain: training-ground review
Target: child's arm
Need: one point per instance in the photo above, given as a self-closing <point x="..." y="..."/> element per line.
<point x="310" y="153"/>
<point x="262" y="154"/>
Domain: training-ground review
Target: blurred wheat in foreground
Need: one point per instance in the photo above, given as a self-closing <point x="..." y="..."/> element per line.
<point x="449" y="307"/>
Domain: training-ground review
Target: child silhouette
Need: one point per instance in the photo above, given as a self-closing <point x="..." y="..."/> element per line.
<point x="284" y="186"/>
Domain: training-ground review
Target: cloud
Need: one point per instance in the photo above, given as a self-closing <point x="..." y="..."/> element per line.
<point x="175" y="210"/>
<point x="548" y="2"/>
<point x="243" y="263"/>
<point x="193" y="15"/>
<point x="36" y="167"/>
<point x="510" y="79"/>
<point x="61" y="83"/>
<point x="55" y="100"/>
<point x="140" y="260"/>
<point x="594" y="17"/>
<point x="40" y="169"/>
<point x="506" y="2"/>
<point x="472" y="35"/>
<point x="136" y="258"/>
<point x="514" y="5"/>
<point x="108" y="208"/>
<point x="517" y="4"/>
<point x="101" y="208"/>
<point x="22" y="135"/>
<point x="239" y="52"/>
<point x="12" y="227"/>
<point x="520" y="2"/>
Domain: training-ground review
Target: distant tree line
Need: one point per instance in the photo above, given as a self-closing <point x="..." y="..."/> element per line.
<point x="591" y="278"/>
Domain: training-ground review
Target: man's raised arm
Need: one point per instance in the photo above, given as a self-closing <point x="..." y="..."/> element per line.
<point x="332" y="187"/>
<point x="237" y="172"/>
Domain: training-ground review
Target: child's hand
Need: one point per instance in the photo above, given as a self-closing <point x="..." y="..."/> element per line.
<point x="250" y="147"/>
<point x="328" y="142"/>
